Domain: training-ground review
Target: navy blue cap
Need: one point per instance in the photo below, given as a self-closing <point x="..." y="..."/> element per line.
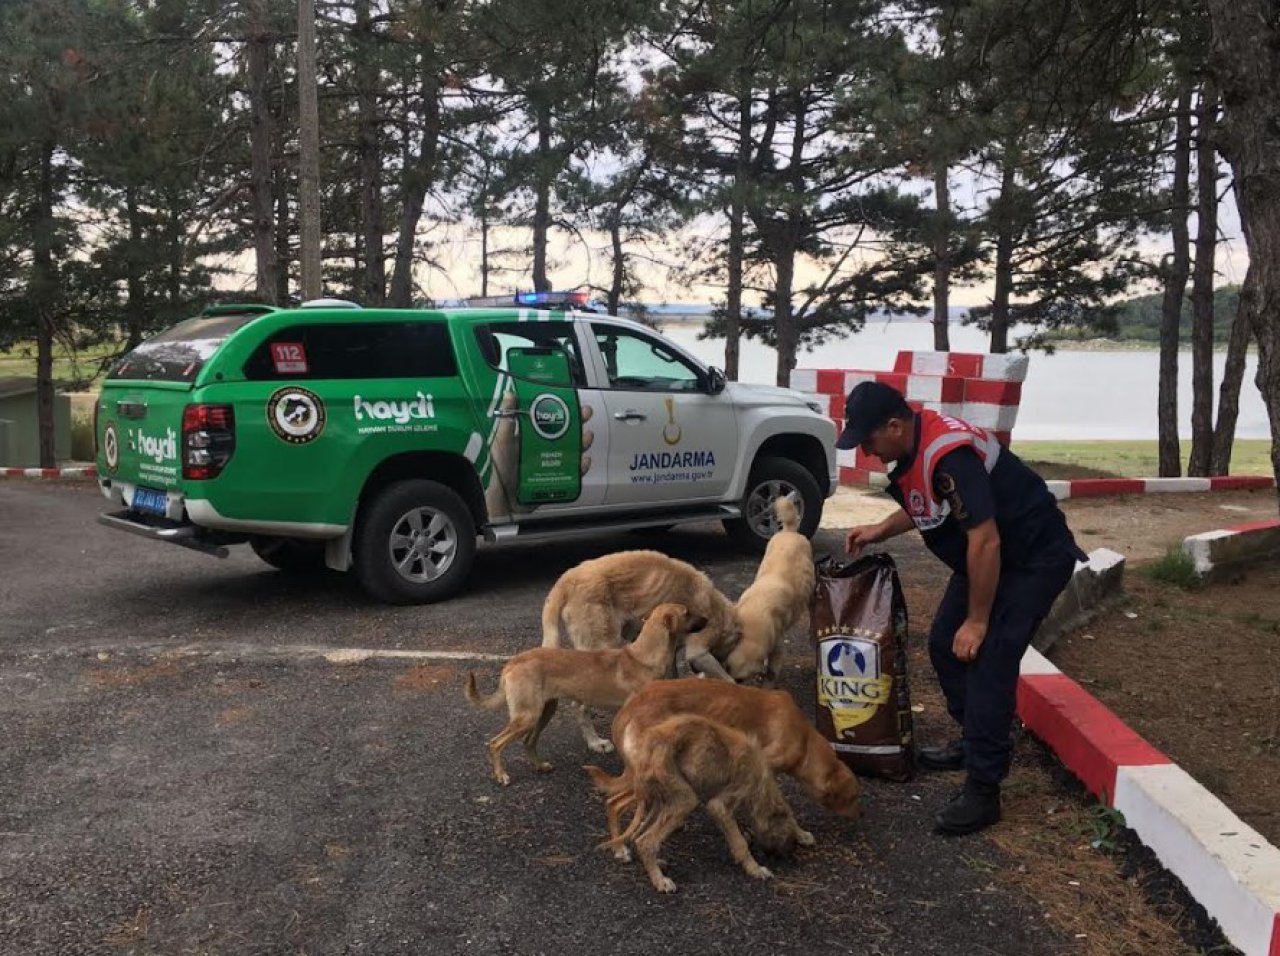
<point x="869" y="406"/>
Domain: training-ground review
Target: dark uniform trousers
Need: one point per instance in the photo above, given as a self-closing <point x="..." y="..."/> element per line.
<point x="982" y="695"/>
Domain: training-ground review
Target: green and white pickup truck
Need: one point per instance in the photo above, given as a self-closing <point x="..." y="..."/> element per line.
<point x="388" y="441"/>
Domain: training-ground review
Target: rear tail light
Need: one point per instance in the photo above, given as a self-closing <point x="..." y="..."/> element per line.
<point x="208" y="440"/>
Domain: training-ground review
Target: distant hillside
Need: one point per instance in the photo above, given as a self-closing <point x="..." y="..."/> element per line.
<point x="1139" y="320"/>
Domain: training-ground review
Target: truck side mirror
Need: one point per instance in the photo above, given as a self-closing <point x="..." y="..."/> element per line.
<point x="715" y="381"/>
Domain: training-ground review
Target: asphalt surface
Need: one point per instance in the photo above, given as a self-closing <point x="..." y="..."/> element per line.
<point x="182" y="772"/>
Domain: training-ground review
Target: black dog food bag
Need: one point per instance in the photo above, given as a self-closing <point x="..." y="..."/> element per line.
<point x="859" y="622"/>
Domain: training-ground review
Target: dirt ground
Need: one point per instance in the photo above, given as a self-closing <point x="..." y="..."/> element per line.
<point x="1195" y="672"/>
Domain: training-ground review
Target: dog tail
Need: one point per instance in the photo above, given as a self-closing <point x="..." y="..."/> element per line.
<point x="493" y="701"/>
<point x="551" y="610"/>
<point x="785" y="508"/>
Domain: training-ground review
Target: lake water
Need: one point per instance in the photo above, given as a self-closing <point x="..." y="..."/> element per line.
<point x="1067" y="396"/>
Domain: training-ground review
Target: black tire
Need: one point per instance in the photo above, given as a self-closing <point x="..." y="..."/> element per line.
<point x="770" y="478"/>
<point x="291" y="555"/>
<point x="384" y="543"/>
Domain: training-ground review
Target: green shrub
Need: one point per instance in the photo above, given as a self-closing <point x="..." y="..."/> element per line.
<point x="82" y="437"/>
<point x="1176" y="568"/>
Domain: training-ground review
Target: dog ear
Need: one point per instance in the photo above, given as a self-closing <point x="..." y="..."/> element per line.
<point x="673" y="616"/>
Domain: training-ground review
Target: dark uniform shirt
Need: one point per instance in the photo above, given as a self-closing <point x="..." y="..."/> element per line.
<point x="1033" y="530"/>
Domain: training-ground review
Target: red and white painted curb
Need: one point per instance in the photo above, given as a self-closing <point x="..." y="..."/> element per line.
<point x="1226" y="865"/>
<point x="1229" y="546"/>
<point x="1099" y="487"/>
<point x="85" y="471"/>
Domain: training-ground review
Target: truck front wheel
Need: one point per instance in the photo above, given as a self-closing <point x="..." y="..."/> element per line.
<point x="415" y="543"/>
<point x="770" y="479"/>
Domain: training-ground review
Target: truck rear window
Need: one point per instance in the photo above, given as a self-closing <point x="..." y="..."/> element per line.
<point x="177" y="354"/>
<point x="355" y="350"/>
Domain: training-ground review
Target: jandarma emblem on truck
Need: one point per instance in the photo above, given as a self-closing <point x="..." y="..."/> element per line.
<point x="111" y="447"/>
<point x="295" y="414"/>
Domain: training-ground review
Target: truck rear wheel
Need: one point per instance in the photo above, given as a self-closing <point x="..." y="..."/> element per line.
<point x="770" y="479"/>
<point x="415" y="543"/>
<point x="292" y="555"/>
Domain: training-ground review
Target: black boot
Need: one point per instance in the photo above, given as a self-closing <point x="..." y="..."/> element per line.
<point x="947" y="757"/>
<point x="975" y="808"/>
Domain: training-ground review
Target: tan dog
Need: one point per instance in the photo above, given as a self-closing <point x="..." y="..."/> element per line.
<point x="770" y="718"/>
<point x="593" y="604"/>
<point x="533" y="682"/>
<point x="682" y="761"/>
<point x="777" y="599"/>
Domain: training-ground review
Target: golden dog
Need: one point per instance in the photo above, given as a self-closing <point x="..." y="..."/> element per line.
<point x="593" y="604"/>
<point x="682" y="761"/>
<point x="533" y="682"/>
<point x="770" y="718"/>
<point x="775" y="601"/>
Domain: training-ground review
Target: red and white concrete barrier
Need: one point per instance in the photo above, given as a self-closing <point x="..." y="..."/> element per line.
<point x="1214" y="550"/>
<point x="1096" y="487"/>
<point x="86" y="471"/>
<point x="1226" y="865"/>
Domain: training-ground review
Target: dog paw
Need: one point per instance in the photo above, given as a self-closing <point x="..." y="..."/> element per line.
<point x="544" y="767"/>
<point x="504" y="779"/>
<point x="600" y="746"/>
<point x="758" y="872"/>
<point x="622" y="855"/>
<point x="665" y="885"/>
<point x="805" y="838"/>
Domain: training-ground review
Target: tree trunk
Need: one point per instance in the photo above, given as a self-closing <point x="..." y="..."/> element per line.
<point x="310" y="277"/>
<point x="736" y="250"/>
<point x="484" y="248"/>
<point x="1202" y="284"/>
<point x="619" y="263"/>
<point x="260" y="135"/>
<point x="135" y="304"/>
<point x="542" y="198"/>
<point x="784" y="239"/>
<point x="373" y="285"/>
<point x="942" y="261"/>
<point x="284" y="257"/>
<point x="1224" y="434"/>
<point x="784" y="322"/>
<point x="419" y="174"/>
<point x="1247" y="72"/>
<point x="1175" y="286"/>
<point x="44" y="284"/>
<point x="1004" y="252"/>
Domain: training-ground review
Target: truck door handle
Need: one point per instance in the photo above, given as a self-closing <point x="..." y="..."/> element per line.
<point x="509" y="412"/>
<point x="630" y="415"/>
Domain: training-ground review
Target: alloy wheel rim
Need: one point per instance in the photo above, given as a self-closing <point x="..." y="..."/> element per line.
<point x="422" y="545"/>
<point x="760" y="516"/>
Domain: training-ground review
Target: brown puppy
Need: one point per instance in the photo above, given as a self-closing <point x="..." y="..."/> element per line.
<point x="769" y="717"/>
<point x="775" y="601"/>
<point x="682" y="761"/>
<point x="532" y="682"/>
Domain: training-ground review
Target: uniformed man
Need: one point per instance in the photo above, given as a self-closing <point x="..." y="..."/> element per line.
<point x="995" y="524"/>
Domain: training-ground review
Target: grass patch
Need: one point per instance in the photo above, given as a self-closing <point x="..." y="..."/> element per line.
<point x="1127" y="459"/>
<point x="73" y="369"/>
<point x="1174" y="568"/>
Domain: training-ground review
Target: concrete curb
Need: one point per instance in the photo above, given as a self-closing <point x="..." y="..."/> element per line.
<point x="83" y="471"/>
<point x="1226" y="865"/>
<point x="1213" y="551"/>
<point x="1093" y="586"/>
<point x="1097" y="487"/>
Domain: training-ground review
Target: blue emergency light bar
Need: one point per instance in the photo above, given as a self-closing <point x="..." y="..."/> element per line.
<point x="575" y="298"/>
